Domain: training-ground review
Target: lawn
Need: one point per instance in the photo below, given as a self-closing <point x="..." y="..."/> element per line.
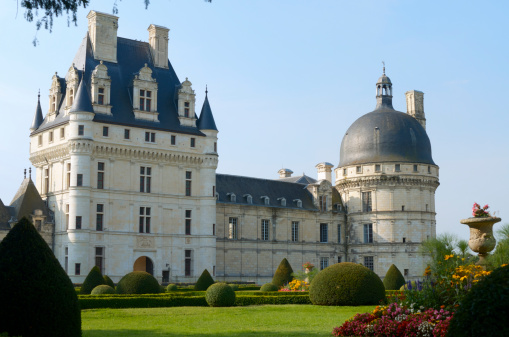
<point x="265" y="320"/>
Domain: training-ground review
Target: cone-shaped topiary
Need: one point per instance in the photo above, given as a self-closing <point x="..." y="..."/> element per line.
<point x="220" y="295"/>
<point x="102" y="289"/>
<point x="36" y="295"/>
<point x="346" y="283"/>
<point x="93" y="279"/>
<point x="108" y="281"/>
<point x="268" y="287"/>
<point x="484" y="310"/>
<point x="283" y="274"/>
<point x="393" y="279"/>
<point x="138" y="282"/>
<point x="204" y="281"/>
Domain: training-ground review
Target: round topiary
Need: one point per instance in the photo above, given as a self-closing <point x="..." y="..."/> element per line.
<point x="93" y="279"/>
<point x="204" y="281"/>
<point x="235" y="287"/>
<point x="171" y="287"/>
<point x="102" y="289"/>
<point x="283" y="274"/>
<point x="484" y="310"/>
<point x="393" y="280"/>
<point x="346" y="283"/>
<point x="36" y="295"/>
<point x="220" y="295"/>
<point x="138" y="282"/>
<point x="268" y="287"/>
<point x="108" y="281"/>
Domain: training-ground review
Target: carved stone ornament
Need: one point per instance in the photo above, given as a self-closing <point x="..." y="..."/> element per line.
<point x="481" y="240"/>
<point x="145" y="242"/>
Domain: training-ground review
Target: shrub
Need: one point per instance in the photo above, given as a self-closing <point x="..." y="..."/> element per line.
<point x="108" y="281"/>
<point x="36" y="295"/>
<point x="283" y="274"/>
<point x="268" y="287"/>
<point x="484" y="310"/>
<point x="204" y="281"/>
<point x="138" y="282"/>
<point x="393" y="279"/>
<point x="413" y="285"/>
<point x="102" y="289"/>
<point x="171" y="287"/>
<point x="235" y="287"/>
<point x="94" y="279"/>
<point x="346" y="283"/>
<point x="220" y="295"/>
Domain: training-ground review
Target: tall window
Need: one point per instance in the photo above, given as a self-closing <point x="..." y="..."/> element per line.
<point x="186" y="109"/>
<point x="106" y="131"/>
<point x="213" y="229"/>
<point x="366" y="202"/>
<point x="265" y="230"/>
<point x="99" y="258"/>
<point x="323" y="202"/>
<point x="188" y="183"/>
<point x="78" y="222"/>
<point x="150" y="137"/>
<point x="340" y="259"/>
<point x="232" y="228"/>
<point x="62" y="133"/>
<point x="145" y="99"/>
<point x="144" y="219"/>
<point x="68" y="176"/>
<point x="46" y="180"/>
<point x="100" y="96"/>
<point x="100" y="176"/>
<point x="66" y="263"/>
<point x="378" y="168"/>
<point x="324" y="263"/>
<point x="339" y="233"/>
<point x="295" y="231"/>
<point x="416" y="168"/>
<point x="188" y="222"/>
<point x="81" y="130"/>
<point x="368" y="262"/>
<point x="368" y="233"/>
<point x="66" y="216"/>
<point x="215" y="146"/>
<point x="39" y="140"/>
<point x="324" y="232"/>
<point x="50" y="136"/>
<point x="397" y="167"/>
<point x="188" y="262"/>
<point x="127" y="134"/>
<point x="77" y="268"/>
<point x="193" y="142"/>
<point x="71" y="96"/>
<point x="145" y="179"/>
<point x="173" y="139"/>
<point x="53" y="103"/>
<point x="79" y="179"/>
<point x="99" y="217"/>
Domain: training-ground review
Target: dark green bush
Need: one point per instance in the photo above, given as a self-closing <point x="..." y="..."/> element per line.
<point x="108" y="281"/>
<point x="235" y="287"/>
<point x="102" y="290"/>
<point x="393" y="279"/>
<point x="269" y="287"/>
<point x="138" y="282"/>
<point x="484" y="310"/>
<point x="220" y="295"/>
<point x="37" y="298"/>
<point x="204" y="281"/>
<point x="171" y="287"/>
<point x="346" y="283"/>
<point x="93" y="279"/>
<point x="283" y="274"/>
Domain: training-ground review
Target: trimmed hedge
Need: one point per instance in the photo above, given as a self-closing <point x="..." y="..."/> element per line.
<point x="108" y="281"/>
<point x="393" y="279"/>
<point x="204" y="281"/>
<point x="102" y="289"/>
<point x="171" y="287"/>
<point x="268" y="287"/>
<point x="93" y="279"/>
<point x="138" y="282"/>
<point x="283" y="274"/>
<point x="220" y="295"/>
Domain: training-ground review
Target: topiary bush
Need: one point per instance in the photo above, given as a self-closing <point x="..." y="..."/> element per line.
<point x="138" y="282"/>
<point x="36" y="295"/>
<point x="268" y="287"/>
<point x="220" y="295"/>
<point x="484" y="310"/>
<point x="108" y="281"/>
<point x="413" y="285"/>
<point x="346" y="283"/>
<point x="204" y="281"/>
<point x="393" y="279"/>
<point x="171" y="287"/>
<point x="93" y="279"/>
<point x="102" y="289"/>
<point x="283" y="274"/>
<point x="235" y="287"/>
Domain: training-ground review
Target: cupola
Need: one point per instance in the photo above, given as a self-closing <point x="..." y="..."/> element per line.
<point x="384" y="92"/>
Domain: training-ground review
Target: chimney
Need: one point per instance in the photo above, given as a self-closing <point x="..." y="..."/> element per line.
<point x="325" y="171"/>
<point x="285" y="173"/>
<point x="158" y="41"/>
<point x="415" y="106"/>
<point x="102" y="30"/>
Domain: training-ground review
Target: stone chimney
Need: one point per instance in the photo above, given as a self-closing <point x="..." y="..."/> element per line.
<point x="325" y="171"/>
<point x="158" y="41"/>
<point x="102" y="30"/>
<point x="285" y="173"/>
<point x="415" y="106"/>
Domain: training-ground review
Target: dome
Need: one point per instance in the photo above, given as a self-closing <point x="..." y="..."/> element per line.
<point x="384" y="80"/>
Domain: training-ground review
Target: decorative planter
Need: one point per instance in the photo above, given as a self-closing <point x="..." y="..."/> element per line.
<point x="481" y="240"/>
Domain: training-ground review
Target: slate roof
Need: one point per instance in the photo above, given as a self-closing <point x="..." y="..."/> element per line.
<point x="82" y="101"/>
<point x="303" y="179"/>
<point x="28" y="199"/>
<point x="257" y="188"/>
<point x="5" y="216"/>
<point x="206" y="120"/>
<point x="38" y="118"/>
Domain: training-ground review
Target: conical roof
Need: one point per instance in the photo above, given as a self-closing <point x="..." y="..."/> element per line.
<point x="38" y="119"/>
<point x="82" y="101"/>
<point x="206" y="120"/>
<point x="28" y="199"/>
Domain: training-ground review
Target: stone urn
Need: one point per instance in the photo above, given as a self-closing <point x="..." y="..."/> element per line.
<point x="481" y="240"/>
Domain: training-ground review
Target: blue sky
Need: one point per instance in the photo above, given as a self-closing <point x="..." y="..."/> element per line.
<point x="287" y="78"/>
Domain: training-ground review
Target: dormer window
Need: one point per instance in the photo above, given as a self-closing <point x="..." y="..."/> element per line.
<point x="101" y="86"/>
<point x="100" y="96"/>
<point x="266" y="200"/>
<point x="53" y="104"/>
<point x="145" y="100"/>
<point x="233" y="197"/>
<point x="71" y="96"/>
<point x="186" y="109"/>
<point x="145" y="95"/>
<point x="55" y="97"/>
<point x="249" y="198"/>
<point x="282" y="201"/>
<point x="298" y="202"/>
<point x="186" y="104"/>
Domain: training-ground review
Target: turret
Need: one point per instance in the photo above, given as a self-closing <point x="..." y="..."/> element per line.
<point x="38" y="119"/>
<point x="384" y="92"/>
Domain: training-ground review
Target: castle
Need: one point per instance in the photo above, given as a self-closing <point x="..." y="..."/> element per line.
<point x="126" y="179"/>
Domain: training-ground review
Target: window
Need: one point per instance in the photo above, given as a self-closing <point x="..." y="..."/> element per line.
<point x="127" y="134"/>
<point x="213" y="191"/>
<point x="188" y="222"/>
<point x="99" y="258"/>
<point x="144" y="219"/>
<point x="62" y="133"/>
<point x="188" y="183"/>
<point x="415" y="168"/>
<point x="53" y="107"/>
<point x="404" y="240"/>
<point x="68" y="176"/>
<point x="397" y="168"/>
<point x="340" y="259"/>
<point x="188" y="262"/>
<point x="323" y="203"/>
<point x="78" y="222"/>
<point x="405" y="272"/>
<point x="403" y="208"/>
<point x="344" y="172"/>
<point x="339" y="233"/>
<point x="378" y="168"/>
<point x="81" y="130"/>
<point x="213" y="229"/>
<point x="324" y="232"/>
<point x="100" y="176"/>
<point x="265" y="230"/>
<point x="66" y="216"/>
<point x="358" y="169"/>
<point x="368" y="263"/>
<point x="145" y="179"/>
<point x="193" y="142"/>
<point x="99" y="217"/>
<point x="46" y="181"/>
<point x="173" y="140"/>
<point x="79" y="180"/>
<point x="213" y="270"/>
<point x="232" y="229"/>
<point x="324" y="263"/>
<point x="145" y="100"/>
<point x="39" y="140"/>
<point x="105" y="131"/>
<point x="38" y="224"/>
<point x="427" y="207"/>
<point x="150" y="137"/>
<point x="295" y="231"/>
<point x="77" y="269"/>
<point x="100" y="96"/>
<point x="366" y="202"/>
<point x="66" y="264"/>
<point x="186" y="109"/>
<point x="215" y="146"/>
<point x="429" y="169"/>
<point x="71" y="96"/>
<point x="50" y="135"/>
<point x="368" y="233"/>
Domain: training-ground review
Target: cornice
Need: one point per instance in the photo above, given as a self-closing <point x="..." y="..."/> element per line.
<point x="385" y="180"/>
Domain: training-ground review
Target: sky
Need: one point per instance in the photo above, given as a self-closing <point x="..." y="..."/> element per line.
<point x="287" y="78"/>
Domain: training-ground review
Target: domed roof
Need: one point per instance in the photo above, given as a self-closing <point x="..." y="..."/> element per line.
<point x="384" y="79"/>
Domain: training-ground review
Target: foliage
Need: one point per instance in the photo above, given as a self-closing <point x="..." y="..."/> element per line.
<point x="296" y="285"/>
<point x="138" y="282"/>
<point x="235" y="287"/>
<point x="171" y="287"/>
<point x="268" y="287"/>
<point x="478" y="212"/>
<point x="36" y="295"/>
<point x="93" y="279"/>
<point x="108" y="281"/>
<point x="303" y="276"/>
<point x="102" y="290"/>
<point x="500" y="255"/>
<point x="220" y="295"/>
<point x="283" y="274"/>
<point x="393" y="279"/>
<point x="484" y="310"/>
<point x="204" y="281"/>
<point x="346" y="283"/>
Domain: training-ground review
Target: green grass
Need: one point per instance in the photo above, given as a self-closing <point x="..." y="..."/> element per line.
<point x="265" y="320"/>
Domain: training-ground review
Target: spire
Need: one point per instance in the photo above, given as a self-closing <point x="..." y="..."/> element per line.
<point x="384" y="91"/>
<point x="38" y="115"/>
<point x="82" y="101"/>
<point x="206" y="120"/>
